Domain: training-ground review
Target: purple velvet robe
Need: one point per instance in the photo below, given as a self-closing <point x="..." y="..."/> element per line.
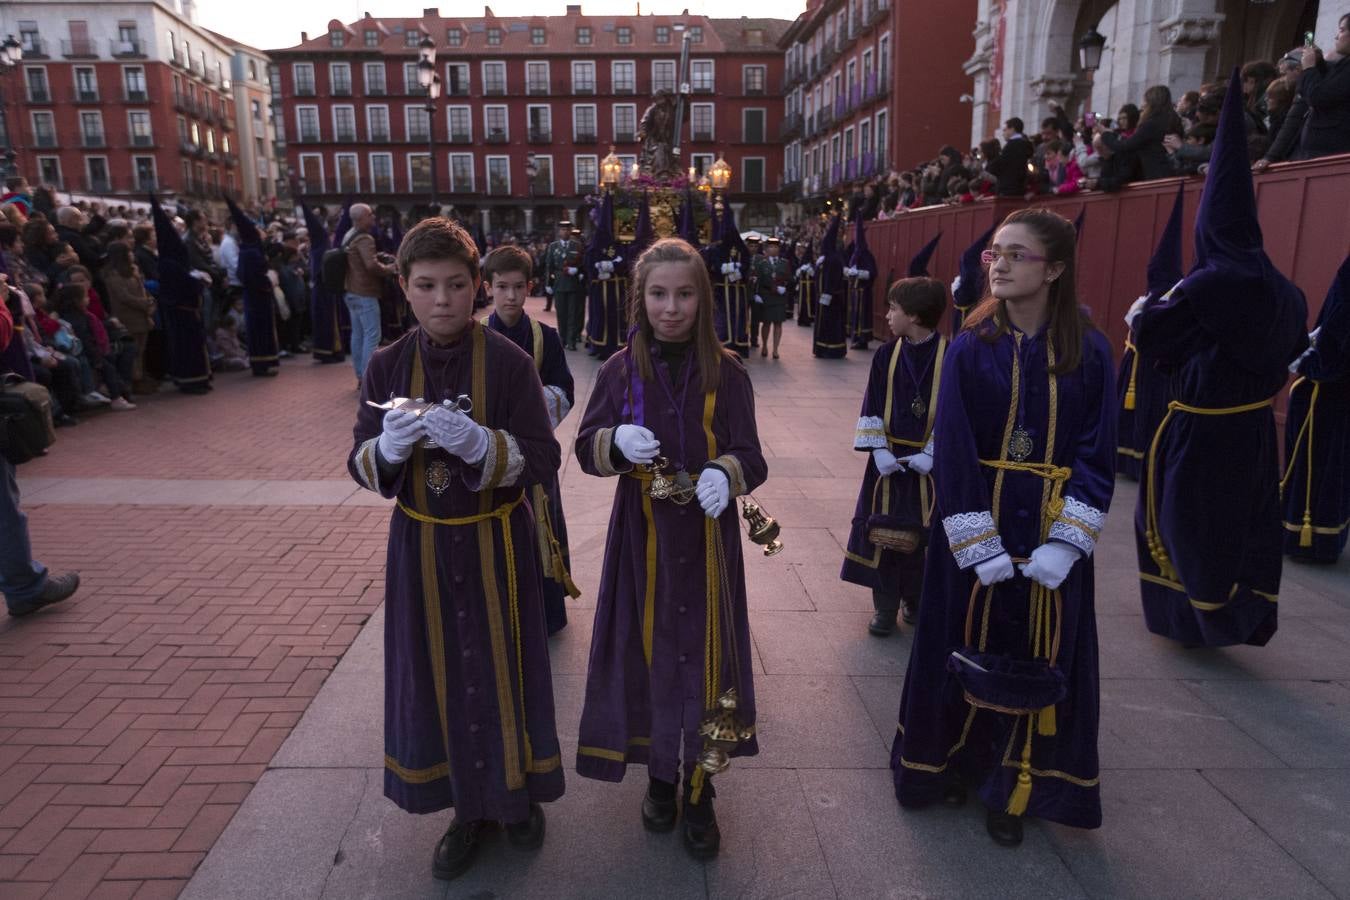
<point x="985" y="512"/>
<point x="468" y="691"/>
<point x="831" y="333"/>
<point x="646" y="687"/>
<point x="887" y="421"/>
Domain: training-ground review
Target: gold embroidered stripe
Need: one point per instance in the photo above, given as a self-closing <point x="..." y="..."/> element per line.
<point x="649" y="593"/>
<point x="416" y="776"/>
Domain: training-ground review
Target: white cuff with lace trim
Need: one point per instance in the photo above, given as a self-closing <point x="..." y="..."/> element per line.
<point x="972" y="537"/>
<point x="871" y="434"/>
<point x="1079" y="525"/>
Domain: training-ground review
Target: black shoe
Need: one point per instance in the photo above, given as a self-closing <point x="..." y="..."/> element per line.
<point x="954" y="794"/>
<point x="882" y="624"/>
<point x="909" y="610"/>
<point x="456" y="850"/>
<point x="55" y="590"/>
<point x="702" y="837"/>
<point x="527" y="835"/>
<point x="1004" y="828"/>
<point x="658" y="812"/>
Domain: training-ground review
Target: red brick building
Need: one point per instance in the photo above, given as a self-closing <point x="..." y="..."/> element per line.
<point x="546" y="95"/>
<point x="870" y="85"/>
<point x="114" y="100"/>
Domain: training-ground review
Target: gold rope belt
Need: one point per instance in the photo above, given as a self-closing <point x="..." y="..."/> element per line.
<point x="1305" y="432"/>
<point x="501" y="512"/>
<point x="1152" y="532"/>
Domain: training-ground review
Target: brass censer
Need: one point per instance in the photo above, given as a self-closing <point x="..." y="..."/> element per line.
<point x="764" y="529"/>
<point x="679" y="488"/>
<point x="721" y="731"/>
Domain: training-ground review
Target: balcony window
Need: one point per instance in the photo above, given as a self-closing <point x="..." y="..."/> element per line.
<point x="701" y="76"/>
<point x="623" y="35"/>
<point x="99" y="182"/>
<point x="536" y="78"/>
<point x="44" y="129"/>
<point x="541" y="124"/>
<point x="133" y="80"/>
<point x="340" y="76"/>
<point x="494" y="119"/>
<point x="304" y="80"/>
<point x="457" y="79"/>
<point x="417" y="122"/>
<point x="499" y="175"/>
<point x="138" y="124"/>
<point x="307" y="118"/>
<point x="91" y="129"/>
<point x="624" y="78"/>
<point x="754" y="77"/>
<point x="382" y="173"/>
<point x="344" y="123"/>
<point x="586" y="169"/>
<point x="375" y="83"/>
<point x="377" y="123"/>
<point x="583" y="123"/>
<point x="583" y="77"/>
<point x="663" y="75"/>
<point x="625" y="123"/>
<point x="494" y="79"/>
<point x="461" y="125"/>
<point x="419" y="173"/>
<point x="38" y="91"/>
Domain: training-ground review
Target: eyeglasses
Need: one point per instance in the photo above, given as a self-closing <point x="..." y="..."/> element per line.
<point x="989" y="257"/>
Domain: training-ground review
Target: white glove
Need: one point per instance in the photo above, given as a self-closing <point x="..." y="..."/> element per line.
<point x="571" y="270"/>
<point x="850" y="272"/>
<point x="886" y="462"/>
<point x="1298" y="363"/>
<point x="549" y="291"/>
<point x="615" y="261"/>
<point x="1135" y="309"/>
<point x="920" y="462"/>
<point x="781" y="290"/>
<point x="994" y="570"/>
<point x="820" y="260"/>
<point x="825" y="299"/>
<point x="1050" y="563"/>
<point x="713" y="492"/>
<point x="402" y="431"/>
<point x="956" y="284"/>
<point x="458" y="434"/>
<point x="863" y="274"/>
<point x="201" y="276"/>
<point x="759" y="299"/>
<point x="637" y="444"/>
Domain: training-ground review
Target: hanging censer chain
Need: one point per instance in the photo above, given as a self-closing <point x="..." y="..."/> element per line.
<point x="679" y="488"/>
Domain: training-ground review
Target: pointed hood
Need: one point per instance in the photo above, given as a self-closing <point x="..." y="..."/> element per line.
<point x="170" y="243"/>
<point x="969" y="285"/>
<point x="918" y="266"/>
<point x="688" y="229"/>
<point x="1226" y="227"/>
<point x="318" y="244"/>
<point x="344" y="225"/>
<point x="862" y="257"/>
<point x="248" y="231"/>
<point x="603" y="236"/>
<point x="1332" y="355"/>
<point x="643" y="234"/>
<point x="1164" y="267"/>
<point x="1079" y="222"/>
<point x="829" y="242"/>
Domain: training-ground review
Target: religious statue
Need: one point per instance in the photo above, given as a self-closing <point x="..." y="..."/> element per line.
<point x="656" y="132"/>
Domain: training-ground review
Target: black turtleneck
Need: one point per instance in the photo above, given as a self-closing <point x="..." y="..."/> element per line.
<point x="673" y="354"/>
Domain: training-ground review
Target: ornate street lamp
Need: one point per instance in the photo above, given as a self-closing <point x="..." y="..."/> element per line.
<point x="720" y="174"/>
<point x="431" y="83"/>
<point x="611" y="170"/>
<point x="1090" y="47"/>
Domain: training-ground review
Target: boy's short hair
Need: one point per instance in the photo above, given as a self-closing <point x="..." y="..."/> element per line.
<point x="435" y="239"/>
<point x="923" y="298"/>
<point x="507" y="258"/>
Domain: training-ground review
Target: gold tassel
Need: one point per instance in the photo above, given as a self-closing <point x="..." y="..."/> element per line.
<point x="1305" y="533"/>
<point x="1021" y="794"/>
<point x="1045" y="722"/>
<point x="1129" y="388"/>
<point x="1129" y="396"/>
<point x="696" y="785"/>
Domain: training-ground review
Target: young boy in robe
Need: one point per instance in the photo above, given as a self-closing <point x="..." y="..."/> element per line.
<point x="507" y="272"/>
<point x="671" y="630"/>
<point x="897" y="418"/>
<point x="468" y="692"/>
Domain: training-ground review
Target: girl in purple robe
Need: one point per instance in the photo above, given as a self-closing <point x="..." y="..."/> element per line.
<point x="468" y="704"/>
<point x="1024" y="465"/>
<point x="671" y="630"/>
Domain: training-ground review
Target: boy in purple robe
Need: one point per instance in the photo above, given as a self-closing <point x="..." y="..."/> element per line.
<point x="468" y="691"/>
<point x="897" y="418"/>
<point x="671" y="631"/>
<point x="507" y="271"/>
<point x="1024" y="469"/>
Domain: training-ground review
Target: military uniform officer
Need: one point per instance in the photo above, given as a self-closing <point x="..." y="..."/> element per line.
<point x="565" y="282"/>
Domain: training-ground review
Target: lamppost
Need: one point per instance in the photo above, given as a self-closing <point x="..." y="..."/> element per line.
<point x="531" y="173"/>
<point x="719" y="175"/>
<point x="611" y="171"/>
<point x="431" y="82"/>
<point x="11" y="52"/>
<point x="1090" y="47"/>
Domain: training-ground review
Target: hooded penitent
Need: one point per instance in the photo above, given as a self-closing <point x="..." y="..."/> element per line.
<point x="323" y="306"/>
<point x="180" y="301"/>
<point x="831" y="339"/>
<point x="862" y="278"/>
<point x="606" y="272"/>
<point x="968" y="286"/>
<point x="259" y="305"/>
<point x="643" y="233"/>
<point x="1208" y="525"/>
<point x="918" y="266"/>
<point x="688" y="229"/>
<point x="728" y="261"/>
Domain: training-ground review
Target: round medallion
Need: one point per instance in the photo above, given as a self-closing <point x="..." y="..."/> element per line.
<point x="1020" y="445"/>
<point x="438" y="477"/>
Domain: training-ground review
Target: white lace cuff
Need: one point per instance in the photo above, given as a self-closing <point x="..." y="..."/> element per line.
<point x="871" y="434"/>
<point x="503" y="463"/>
<point x="928" y="447"/>
<point x="1079" y="525"/>
<point x="555" y="400"/>
<point x="972" y="538"/>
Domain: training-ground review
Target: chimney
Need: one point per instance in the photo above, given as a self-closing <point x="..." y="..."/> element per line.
<point x="304" y="37"/>
<point x="574" y="9"/>
<point x="368" y="16"/>
<point x="431" y="12"/>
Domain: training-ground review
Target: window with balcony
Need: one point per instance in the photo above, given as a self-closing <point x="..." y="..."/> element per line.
<point x="752" y="126"/>
<point x="884" y="58"/>
<point x="91" y="129"/>
<point x="79" y="43"/>
<point x="348" y="172"/>
<point x="96" y="174"/>
<point x="541" y="185"/>
<point x="306" y="123"/>
<point x="625" y="123"/>
<point x="377" y="124"/>
<point x="752" y="78"/>
<point x="537" y="35"/>
<point x="340" y="79"/>
<point x="344" y="124"/>
<point x="701" y="76"/>
<point x="583" y="77"/>
<point x="412" y="37"/>
<point x="38" y="89"/>
<point x="461" y="124"/>
<point x="252" y="70"/>
<point x="375" y="83"/>
<point x="454" y="37"/>
<point x="182" y="130"/>
<point x="540" y="119"/>
<point x="457" y="80"/>
<point x="494" y="123"/>
<point x="499" y="176"/>
<point x="663" y="75"/>
<point x="701" y="122"/>
<point x="44" y="129"/>
<point x="382" y="173"/>
<point x="49" y="170"/>
<point x="304" y="79"/>
<point x="133" y="84"/>
<point x="419" y="172"/>
<point x="31" y="39"/>
<point x="623" y="35"/>
<point x="138" y="127"/>
<point x="536" y="78"/>
<point x="623" y="74"/>
<point x="210" y="141"/>
<point x="370" y="37"/>
<point x="584" y="35"/>
<point x="195" y="133"/>
<point x="494" y="79"/>
<point x="416" y="123"/>
<point x="86" y="85"/>
<point x="494" y="37"/>
<point x="337" y="38"/>
<point x="585" y="171"/>
<point x="583" y="123"/>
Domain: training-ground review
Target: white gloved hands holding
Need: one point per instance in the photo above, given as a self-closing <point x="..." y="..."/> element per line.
<point x="820" y="260"/>
<point x="781" y="290"/>
<point x="1050" y="563"/>
<point x="402" y="431"/>
<point x="862" y="274"/>
<point x="886" y="462"/>
<point x="456" y="433"/>
<point x="920" y="462"/>
<point x="759" y="299"/>
<point x="850" y="272"/>
<point x="637" y="444"/>
<point x="1135" y="309"/>
<point x="549" y="291"/>
<point x="571" y="270"/>
<point x="713" y="492"/>
<point x="825" y="299"/>
<point x="994" y="570"/>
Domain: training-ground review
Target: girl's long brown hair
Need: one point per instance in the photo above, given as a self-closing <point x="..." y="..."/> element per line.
<point x="708" y="352"/>
<point x="1068" y="322"/>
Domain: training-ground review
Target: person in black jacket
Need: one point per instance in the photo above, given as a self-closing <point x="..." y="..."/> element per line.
<point x="1144" y="147"/>
<point x="1010" y="166"/>
<point x="1325" y="85"/>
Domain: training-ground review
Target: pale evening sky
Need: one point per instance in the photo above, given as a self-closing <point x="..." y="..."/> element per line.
<point x="270" y="25"/>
